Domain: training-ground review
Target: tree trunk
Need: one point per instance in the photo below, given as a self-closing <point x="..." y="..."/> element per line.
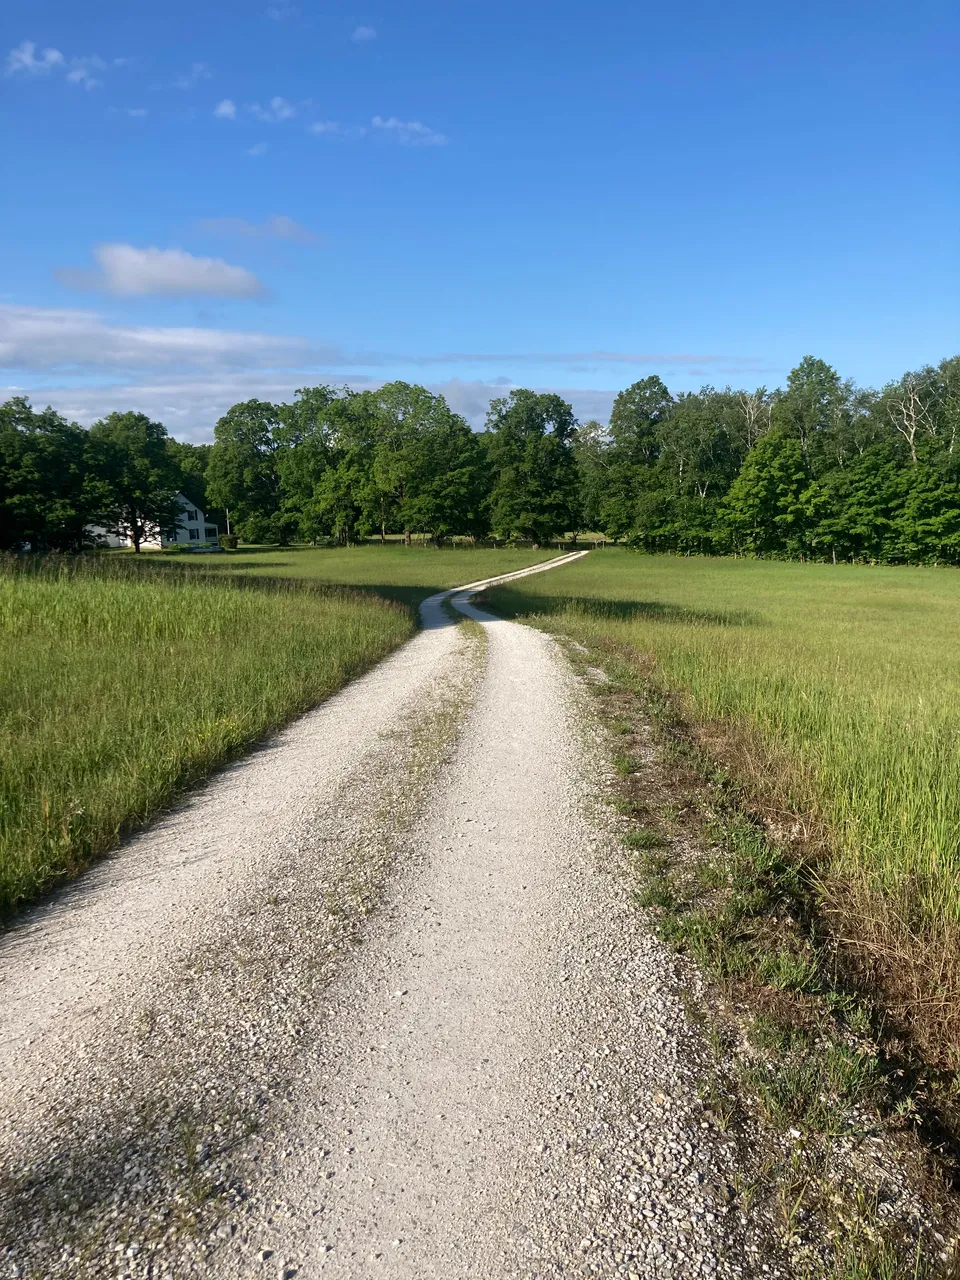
<point x="407" y="538"/>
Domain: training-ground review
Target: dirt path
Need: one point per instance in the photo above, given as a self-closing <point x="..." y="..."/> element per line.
<point x="200" y="1074"/>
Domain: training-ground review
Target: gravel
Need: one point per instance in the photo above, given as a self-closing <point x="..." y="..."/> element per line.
<point x="509" y="1086"/>
<point x="203" y="1073"/>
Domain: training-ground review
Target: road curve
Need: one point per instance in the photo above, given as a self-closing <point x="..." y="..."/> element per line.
<point x="217" y="1059"/>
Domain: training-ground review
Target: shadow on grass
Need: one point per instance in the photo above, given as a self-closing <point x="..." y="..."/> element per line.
<point x="514" y="604"/>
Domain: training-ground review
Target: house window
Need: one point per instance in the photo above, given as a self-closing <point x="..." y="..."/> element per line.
<point x="211" y="533"/>
<point x="194" y="534"/>
<point x="190" y="515"/>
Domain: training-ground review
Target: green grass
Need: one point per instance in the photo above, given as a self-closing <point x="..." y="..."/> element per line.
<point x="832" y="693"/>
<point x="407" y="574"/>
<point x="119" y="686"/>
<point x="126" y="678"/>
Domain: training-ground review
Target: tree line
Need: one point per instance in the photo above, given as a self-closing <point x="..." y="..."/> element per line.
<point x="820" y="469"/>
<point x="58" y="480"/>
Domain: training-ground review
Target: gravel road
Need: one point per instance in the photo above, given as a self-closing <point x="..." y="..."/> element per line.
<point x="374" y="1002"/>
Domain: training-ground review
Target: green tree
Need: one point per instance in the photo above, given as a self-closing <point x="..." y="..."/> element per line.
<point x="814" y="408"/>
<point x="307" y="450"/>
<point x="632" y="455"/>
<point x="428" y="467"/>
<point x="860" y="504"/>
<point x="773" y="501"/>
<point x="591" y="448"/>
<point x="344" y="497"/>
<point x="242" y="476"/>
<point x="530" y="450"/>
<point x="130" y="455"/>
<point x="49" y="491"/>
<point x="192" y="461"/>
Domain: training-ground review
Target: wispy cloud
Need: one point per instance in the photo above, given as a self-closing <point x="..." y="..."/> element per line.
<point x="135" y="113"/>
<point x="282" y="12"/>
<point x="82" y="69"/>
<point x="275" y="112"/>
<point x="67" y="338"/>
<point x="335" y="129"/>
<point x="82" y="342"/>
<point x="225" y="110"/>
<point x="28" y="61"/>
<point x="24" y="58"/>
<point x="275" y="227"/>
<point x="126" y="271"/>
<point x="362" y="34"/>
<point x="189" y="376"/>
<point x="258" y="149"/>
<point x="410" y="133"/>
<point x="585" y="359"/>
<point x="198" y="72"/>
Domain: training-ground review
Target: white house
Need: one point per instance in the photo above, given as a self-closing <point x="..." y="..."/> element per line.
<point x="193" y="530"/>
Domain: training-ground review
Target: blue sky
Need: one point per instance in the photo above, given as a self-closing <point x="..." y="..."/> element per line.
<point x="208" y="201"/>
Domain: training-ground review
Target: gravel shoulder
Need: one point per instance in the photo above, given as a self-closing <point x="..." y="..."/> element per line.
<point x="217" y="1058"/>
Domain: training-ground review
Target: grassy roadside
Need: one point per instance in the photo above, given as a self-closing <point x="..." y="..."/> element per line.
<point x="741" y="862"/>
<point x="829" y="697"/>
<point x="126" y="679"/>
<point x="838" y="1163"/>
<point x="136" y="1154"/>
<point x="119" y="687"/>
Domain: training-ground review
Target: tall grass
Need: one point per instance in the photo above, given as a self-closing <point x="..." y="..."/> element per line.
<point x="837" y="688"/>
<point x="121" y="683"/>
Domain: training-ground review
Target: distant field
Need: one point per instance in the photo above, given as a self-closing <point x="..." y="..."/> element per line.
<point x="118" y="688"/>
<point x="843" y="684"/>
<point x="407" y="574"/>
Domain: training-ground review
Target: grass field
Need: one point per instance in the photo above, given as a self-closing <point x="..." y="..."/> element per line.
<point x="124" y="681"/>
<point x="834" y="692"/>
<point x="406" y="574"/>
<point x="117" y="689"/>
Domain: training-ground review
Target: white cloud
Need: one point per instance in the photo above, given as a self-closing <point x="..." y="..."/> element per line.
<point x="24" y="58"/>
<point x="579" y="361"/>
<point x="275" y="227"/>
<point x="361" y="34"/>
<point x="128" y="272"/>
<point x="282" y="12"/>
<point x="335" y="129"/>
<point x="135" y="113"/>
<point x="277" y="110"/>
<point x="258" y="149"/>
<point x="410" y="133"/>
<point x="198" y="71"/>
<point x="81" y="72"/>
<point x="225" y="110"/>
<point x="188" y="377"/>
<point x="44" y="338"/>
<point x="78" y="71"/>
<point x="82" y="342"/>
